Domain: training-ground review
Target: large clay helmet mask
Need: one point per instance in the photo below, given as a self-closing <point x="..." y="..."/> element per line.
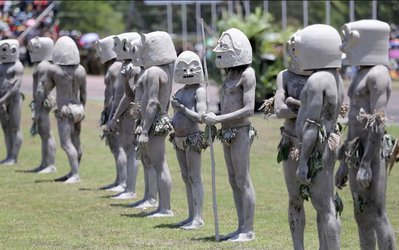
<point x="40" y="49"/>
<point x="9" y="51"/>
<point x="135" y="50"/>
<point x="66" y="52"/>
<point x="188" y="69"/>
<point x="233" y="49"/>
<point x="366" y="42"/>
<point x="120" y="45"/>
<point x="318" y="47"/>
<point x="104" y="48"/>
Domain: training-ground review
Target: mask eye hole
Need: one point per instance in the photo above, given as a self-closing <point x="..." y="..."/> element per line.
<point x="4" y="49"/>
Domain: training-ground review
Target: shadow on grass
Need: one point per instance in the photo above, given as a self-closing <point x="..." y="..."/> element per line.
<point x="139" y="215"/>
<point x="88" y="189"/>
<point x="205" y="239"/>
<point x="171" y="226"/>
<point x="119" y="205"/>
<point x="44" y="181"/>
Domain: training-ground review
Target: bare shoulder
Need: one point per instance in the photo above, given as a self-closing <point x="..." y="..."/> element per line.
<point x="80" y="72"/>
<point x="18" y="67"/>
<point x="379" y="73"/>
<point x="248" y="77"/>
<point x="201" y="91"/>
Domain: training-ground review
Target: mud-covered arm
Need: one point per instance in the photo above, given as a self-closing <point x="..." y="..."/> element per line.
<point x="16" y="81"/>
<point x="311" y="122"/>
<point x="82" y="86"/>
<point x="248" y="82"/>
<point x="379" y="86"/>
<point x="153" y="83"/>
<point x="39" y="84"/>
<point x="281" y="109"/>
<point x="48" y="85"/>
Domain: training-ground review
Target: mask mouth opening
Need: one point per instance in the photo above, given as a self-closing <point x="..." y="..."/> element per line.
<point x="188" y="76"/>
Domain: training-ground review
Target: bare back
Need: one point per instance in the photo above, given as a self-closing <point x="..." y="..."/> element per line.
<point x="70" y="84"/>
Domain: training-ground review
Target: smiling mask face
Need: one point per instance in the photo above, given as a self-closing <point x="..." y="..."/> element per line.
<point x="233" y="49"/>
<point x="188" y="69"/>
<point x="9" y="51"/>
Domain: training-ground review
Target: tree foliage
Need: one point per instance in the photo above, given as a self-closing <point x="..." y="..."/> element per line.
<point x="90" y="16"/>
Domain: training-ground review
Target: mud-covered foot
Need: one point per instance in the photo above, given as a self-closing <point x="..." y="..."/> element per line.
<point x="8" y="162"/>
<point x="195" y="224"/>
<point x="302" y="175"/>
<point x="183" y="222"/>
<point x="230" y="235"/>
<point x="160" y="213"/>
<point x="47" y="170"/>
<point x="72" y="179"/>
<point x="34" y="170"/>
<point x="242" y="237"/>
<point x="124" y="196"/>
<point x="63" y="178"/>
<point x="117" y="189"/>
<point x="145" y="204"/>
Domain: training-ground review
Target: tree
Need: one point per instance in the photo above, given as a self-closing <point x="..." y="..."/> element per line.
<point x="90" y="16"/>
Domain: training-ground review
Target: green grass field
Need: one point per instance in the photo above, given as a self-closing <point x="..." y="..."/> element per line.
<point x="36" y="213"/>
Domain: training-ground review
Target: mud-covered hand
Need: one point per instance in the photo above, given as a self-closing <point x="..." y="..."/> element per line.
<point x="210" y="118"/>
<point x="176" y="104"/>
<point x="364" y="175"/>
<point x="302" y="173"/>
<point x="341" y="176"/>
<point x="293" y="103"/>
<point x="112" y="125"/>
<point x="143" y="138"/>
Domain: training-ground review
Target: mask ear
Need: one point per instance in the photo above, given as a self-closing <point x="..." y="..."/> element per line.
<point x="354" y="37"/>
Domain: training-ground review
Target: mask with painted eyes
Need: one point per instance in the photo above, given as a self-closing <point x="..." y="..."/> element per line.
<point x="9" y="51"/>
<point x="40" y="49"/>
<point x="366" y="42"/>
<point x="233" y="49"/>
<point x="188" y="69"/>
<point x="121" y="42"/>
<point x="135" y="50"/>
<point x="66" y="52"/>
<point x="104" y="48"/>
<point x="154" y="49"/>
<point x="317" y="47"/>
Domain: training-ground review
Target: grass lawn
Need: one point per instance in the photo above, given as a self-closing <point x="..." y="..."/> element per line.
<point x="36" y="213"/>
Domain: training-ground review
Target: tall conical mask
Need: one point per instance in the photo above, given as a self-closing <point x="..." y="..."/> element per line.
<point x="188" y="69"/>
<point x="366" y="42"/>
<point x="233" y="49"/>
<point x="66" y="52"/>
<point x="318" y="47"/>
<point x="9" y="51"/>
<point x="40" y="49"/>
<point x="120" y="45"/>
<point x="104" y="48"/>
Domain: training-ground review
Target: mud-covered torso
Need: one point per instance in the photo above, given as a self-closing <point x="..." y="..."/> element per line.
<point x="360" y="97"/>
<point x="9" y="74"/>
<point x="233" y="97"/>
<point x="293" y="85"/>
<point x="182" y="124"/>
